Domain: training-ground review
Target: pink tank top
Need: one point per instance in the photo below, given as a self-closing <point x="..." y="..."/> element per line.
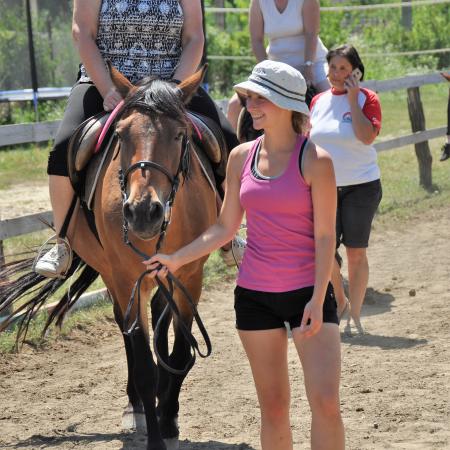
<point x="280" y="253"/>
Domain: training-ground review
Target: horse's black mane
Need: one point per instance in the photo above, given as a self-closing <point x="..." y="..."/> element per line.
<point x="158" y="97"/>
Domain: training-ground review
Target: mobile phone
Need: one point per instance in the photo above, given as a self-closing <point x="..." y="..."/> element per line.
<point x="357" y="74"/>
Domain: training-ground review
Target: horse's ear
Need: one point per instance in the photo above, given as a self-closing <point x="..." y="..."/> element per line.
<point x="120" y="81"/>
<point x="190" y="85"/>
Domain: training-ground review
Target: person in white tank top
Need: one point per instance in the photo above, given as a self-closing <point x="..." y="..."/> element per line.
<point x="292" y="28"/>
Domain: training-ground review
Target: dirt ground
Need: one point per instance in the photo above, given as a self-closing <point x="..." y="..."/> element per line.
<point x="395" y="380"/>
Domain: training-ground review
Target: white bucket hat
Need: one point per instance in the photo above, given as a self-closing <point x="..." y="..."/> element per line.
<point x="279" y="83"/>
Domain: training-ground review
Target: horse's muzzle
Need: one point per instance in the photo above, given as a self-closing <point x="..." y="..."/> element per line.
<point x="145" y="218"/>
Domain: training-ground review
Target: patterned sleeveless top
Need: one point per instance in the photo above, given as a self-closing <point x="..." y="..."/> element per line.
<point x="141" y="38"/>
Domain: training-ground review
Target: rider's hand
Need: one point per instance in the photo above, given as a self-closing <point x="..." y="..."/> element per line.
<point x="111" y="99"/>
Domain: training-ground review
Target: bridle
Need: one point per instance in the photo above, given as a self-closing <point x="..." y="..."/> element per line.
<point x="183" y="168"/>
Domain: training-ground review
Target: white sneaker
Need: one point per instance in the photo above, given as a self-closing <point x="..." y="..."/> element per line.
<point x="55" y="263"/>
<point x="233" y="256"/>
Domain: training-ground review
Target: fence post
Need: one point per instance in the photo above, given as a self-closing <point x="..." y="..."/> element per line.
<point x="417" y="118"/>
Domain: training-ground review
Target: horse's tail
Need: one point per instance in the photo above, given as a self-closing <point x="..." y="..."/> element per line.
<point x="29" y="291"/>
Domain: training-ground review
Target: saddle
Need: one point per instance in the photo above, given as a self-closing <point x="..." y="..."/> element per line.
<point x="84" y="161"/>
<point x="209" y="139"/>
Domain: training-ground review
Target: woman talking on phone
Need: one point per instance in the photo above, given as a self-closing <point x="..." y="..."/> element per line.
<point x="345" y="120"/>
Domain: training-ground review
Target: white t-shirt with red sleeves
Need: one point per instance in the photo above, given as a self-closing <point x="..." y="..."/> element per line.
<point x="331" y="129"/>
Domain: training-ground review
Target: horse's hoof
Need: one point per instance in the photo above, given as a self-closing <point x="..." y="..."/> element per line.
<point x="172" y="443"/>
<point x="133" y="420"/>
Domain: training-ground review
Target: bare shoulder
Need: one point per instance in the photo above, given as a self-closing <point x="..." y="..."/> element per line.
<point x="237" y="158"/>
<point x="239" y="153"/>
<point x="316" y="153"/>
<point x="317" y="161"/>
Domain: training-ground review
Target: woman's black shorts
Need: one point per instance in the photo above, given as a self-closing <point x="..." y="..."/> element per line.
<point x="257" y="310"/>
<point x="356" y="207"/>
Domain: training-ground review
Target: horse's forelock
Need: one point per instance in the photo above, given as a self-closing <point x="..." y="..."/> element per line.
<point x="160" y="98"/>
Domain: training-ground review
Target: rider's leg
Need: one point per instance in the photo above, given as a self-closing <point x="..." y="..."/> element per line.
<point x="84" y="101"/>
<point x="61" y="195"/>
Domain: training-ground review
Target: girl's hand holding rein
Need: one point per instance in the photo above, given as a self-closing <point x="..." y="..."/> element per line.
<point x="161" y="265"/>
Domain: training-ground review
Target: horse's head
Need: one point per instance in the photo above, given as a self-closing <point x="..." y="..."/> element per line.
<point x="153" y="138"/>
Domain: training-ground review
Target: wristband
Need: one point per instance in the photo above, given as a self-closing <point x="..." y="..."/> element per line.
<point x="308" y="63"/>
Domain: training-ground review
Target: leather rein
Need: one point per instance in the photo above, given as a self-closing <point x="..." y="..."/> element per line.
<point x="172" y="280"/>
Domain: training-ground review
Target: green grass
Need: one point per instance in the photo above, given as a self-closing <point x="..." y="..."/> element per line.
<point x="403" y="198"/>
<point x="23" y="112"/>
<point x="395" y="110"/>
<point x="24" y="164"/>
<point x="80" y="319"/>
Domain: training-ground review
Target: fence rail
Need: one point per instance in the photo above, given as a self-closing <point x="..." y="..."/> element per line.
<point x="38" y="132"/>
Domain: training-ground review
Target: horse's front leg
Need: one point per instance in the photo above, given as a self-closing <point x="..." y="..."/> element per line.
<point x="133" y="417"/>
<point x="145" y="376"/>
<point x="160" y="327"/>
<point x="168" y="405"/>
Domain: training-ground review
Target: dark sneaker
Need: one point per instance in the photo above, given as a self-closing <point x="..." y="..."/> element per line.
<point x="445" y="152"/>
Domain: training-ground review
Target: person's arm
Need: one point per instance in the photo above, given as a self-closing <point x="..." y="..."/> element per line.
<point x="256" y="25"/>
<point x="218" y="234"/>
<point x="365" y="130"/>
<point x="84" y="33"/>
<point x="319" y="174"/>
<point x="192" y="40"/>
<point x="311" y="26"/>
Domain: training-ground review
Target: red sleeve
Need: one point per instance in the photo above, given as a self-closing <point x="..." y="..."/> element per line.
<point x="372" y="108"/>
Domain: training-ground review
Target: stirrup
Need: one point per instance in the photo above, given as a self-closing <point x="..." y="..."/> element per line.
<point x="44" y="248"/>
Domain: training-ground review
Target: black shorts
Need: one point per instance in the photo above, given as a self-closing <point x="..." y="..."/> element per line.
<point x="84" y="101"/>
<point x="356" y="207"/>
<point x="257" y="310"/>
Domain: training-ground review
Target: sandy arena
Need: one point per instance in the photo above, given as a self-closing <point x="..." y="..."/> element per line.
<point x="395" y="380"/>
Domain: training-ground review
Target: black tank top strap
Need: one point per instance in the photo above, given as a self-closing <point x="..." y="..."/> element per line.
<point x="300" y="155"/>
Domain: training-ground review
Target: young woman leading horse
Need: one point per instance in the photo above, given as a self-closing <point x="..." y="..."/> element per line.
<point x="151" y="151"/>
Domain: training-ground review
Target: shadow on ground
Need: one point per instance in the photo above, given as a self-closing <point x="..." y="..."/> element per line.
<point x="130" y="441"/>
<point x="383" y="342"/>
<point x="375" y="302"/>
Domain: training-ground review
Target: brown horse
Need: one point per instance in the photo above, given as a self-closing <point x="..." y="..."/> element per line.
<point x="152" y="153"/>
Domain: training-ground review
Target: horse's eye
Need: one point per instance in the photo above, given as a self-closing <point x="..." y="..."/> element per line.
<point x="179" y="136"/>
